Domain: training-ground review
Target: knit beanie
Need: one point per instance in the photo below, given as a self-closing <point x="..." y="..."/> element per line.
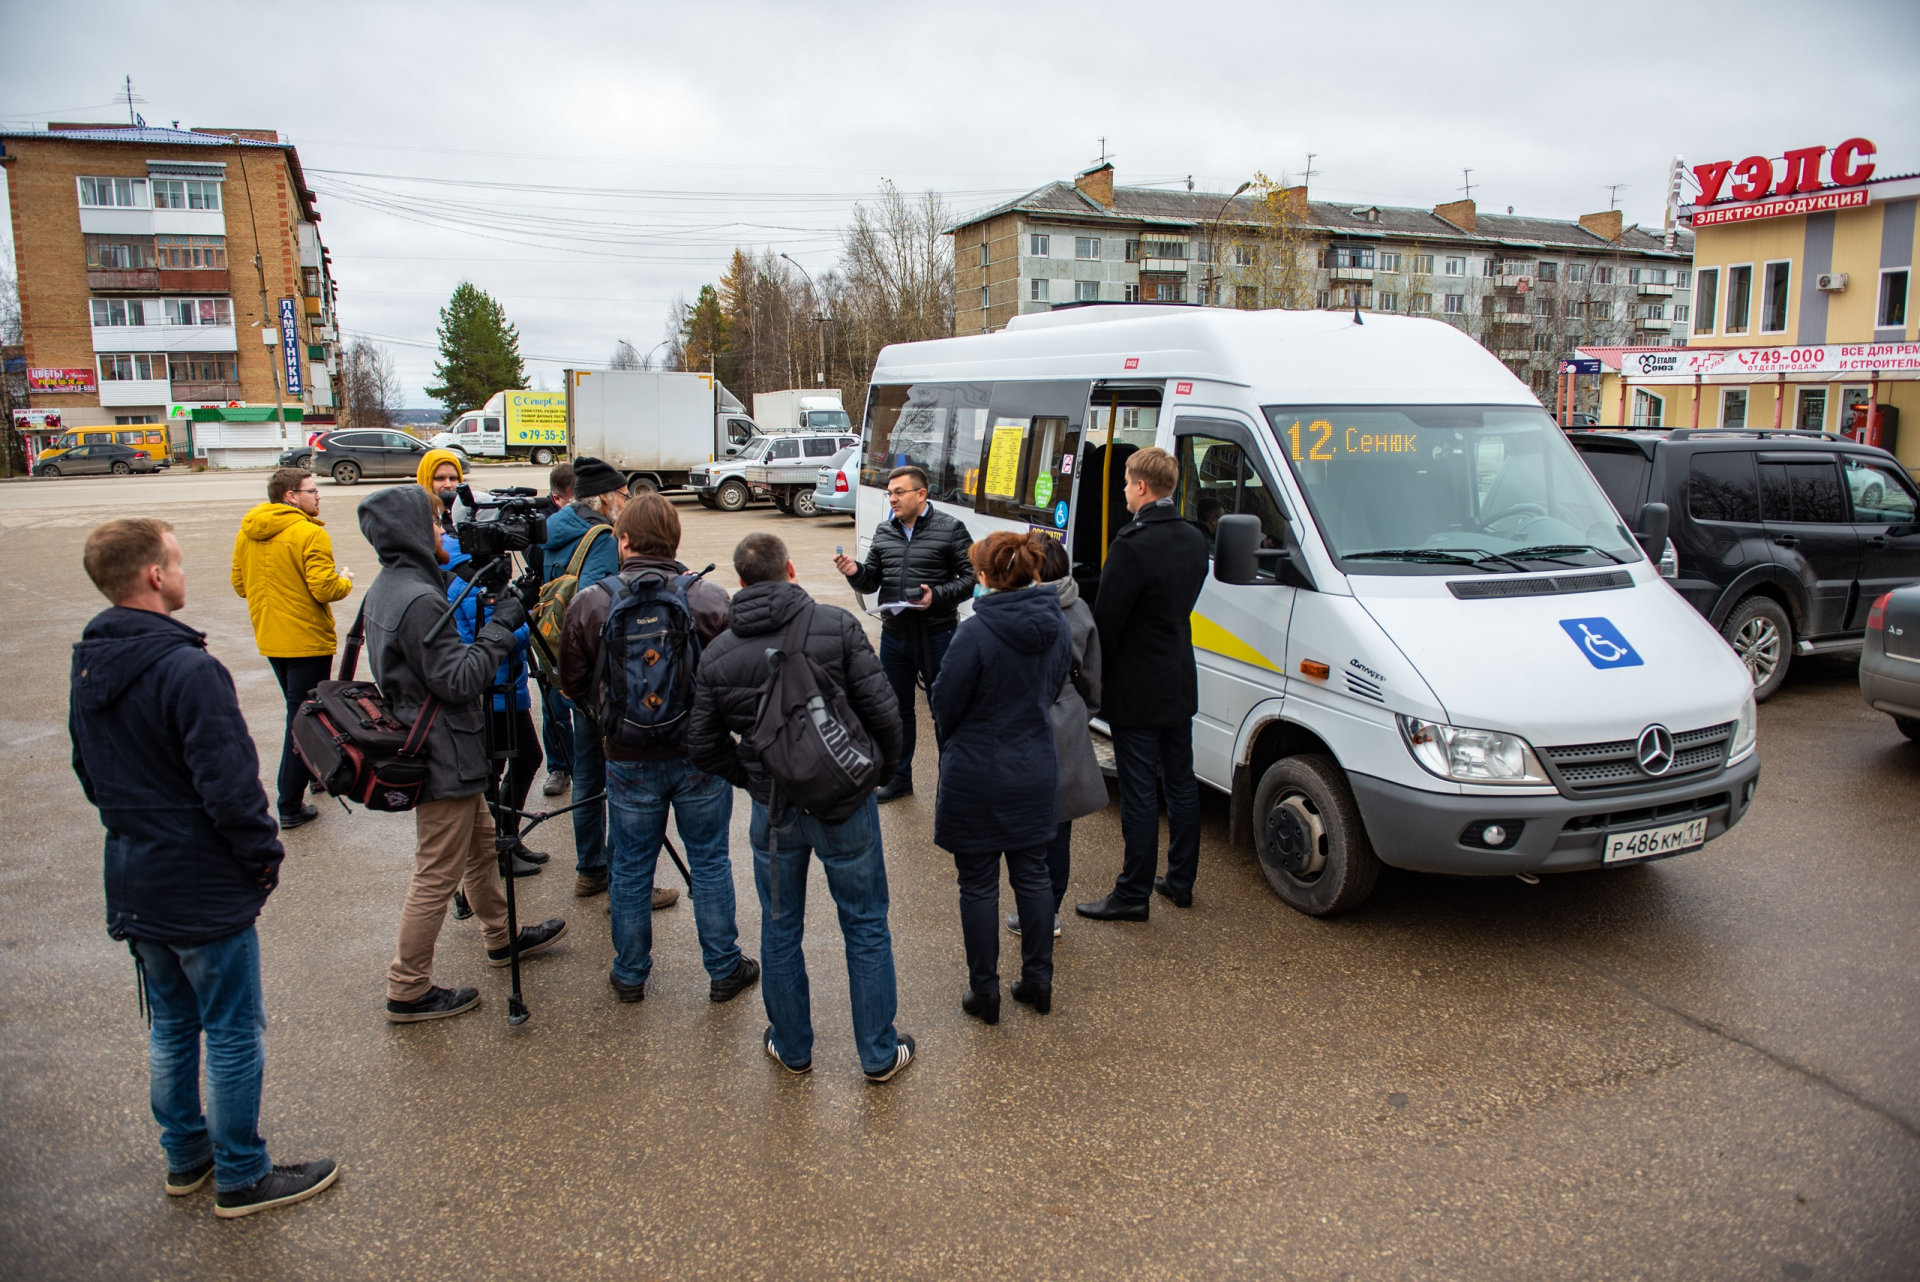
<point x="591" y="477"/>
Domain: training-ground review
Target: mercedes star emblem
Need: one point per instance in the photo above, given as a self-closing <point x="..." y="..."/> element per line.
<point x="1654" y="752"/>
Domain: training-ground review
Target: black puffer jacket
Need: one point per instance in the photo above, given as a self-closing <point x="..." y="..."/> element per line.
<point x="734" y="667"/>
<point x="936" y="556"/>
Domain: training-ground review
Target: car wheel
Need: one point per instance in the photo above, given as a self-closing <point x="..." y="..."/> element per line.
<point x="730" y="497"/>
<point x="542" y="457"/>
<point x="1909" y="726"/>
<point x="303" y="461"/>
<point x="346" y="472"/>
<point x="706" y="501"/>
<point x="1307" y="831"/>
<point x="119" y="468"/>
<point x="1762" y="635"/>
<point x="48" y="469"/>
<point x="802" y="504"/>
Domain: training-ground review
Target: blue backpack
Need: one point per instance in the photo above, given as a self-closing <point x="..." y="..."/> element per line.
<point x="648" y="655"/>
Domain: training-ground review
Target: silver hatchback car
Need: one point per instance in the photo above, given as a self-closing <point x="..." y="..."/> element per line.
<point x="839" y="482"/>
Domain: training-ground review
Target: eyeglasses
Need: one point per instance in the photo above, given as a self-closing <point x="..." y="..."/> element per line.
<point x="308" y="489"/>
<point x="900" y="494"/>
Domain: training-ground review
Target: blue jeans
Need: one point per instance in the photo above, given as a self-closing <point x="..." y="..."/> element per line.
<point x="212" y="989"/>
<point x="903" y="659"/>
<point x="556" y="730"/>
<point x="857" y="879"/>
<point x="637" y="805"/>
<point x="589" y="780"/>
<point x="1137" y="751"/>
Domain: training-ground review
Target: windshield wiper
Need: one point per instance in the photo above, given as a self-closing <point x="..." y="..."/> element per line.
<point x="1557" y="551"/>
<point x="1435" y="556"/>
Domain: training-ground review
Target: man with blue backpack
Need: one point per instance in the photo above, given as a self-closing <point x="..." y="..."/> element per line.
<point x="628" y="656"/>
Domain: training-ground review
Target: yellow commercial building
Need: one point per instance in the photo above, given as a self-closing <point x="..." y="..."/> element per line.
<point x="1803" y="313"/>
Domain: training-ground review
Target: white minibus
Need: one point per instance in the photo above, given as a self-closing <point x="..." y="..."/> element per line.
<point x="1426" y="641"/>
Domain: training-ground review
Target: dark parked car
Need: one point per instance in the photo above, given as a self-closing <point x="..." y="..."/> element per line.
<point x="1784" y="540"/>
<point x="348" y="456"/>
<point x="1890" y="659"/>
<point x="108" y="460"/>
<point x="302" y="455"/>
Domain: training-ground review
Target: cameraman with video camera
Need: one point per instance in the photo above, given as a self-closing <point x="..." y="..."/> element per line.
<point x="425" y="670"/>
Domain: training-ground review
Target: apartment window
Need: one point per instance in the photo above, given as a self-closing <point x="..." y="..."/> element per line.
<point x="1773" y="298"/>
<point x="1546" y="271"/>
<point x="1576" y="273"/>
<point x="1133" y="251"/>
<point x="123" y="367"/>
<point x="1242" y="256"/>
<point x="114" y="193"/>
<point x="1325" y="300"/>
<point x="1420" y="303"/>
<point x="1571" y="308"/>
<point x="1167" y="292"/>
<point x="1037" y="291"/>
<point x="1812" y="414"/>
<point x="1456" y="304"/>
<point x="1150" y="249"/>
<point x="1683" y="278"/>
<point x="1132" y="293"/>
<point x="1680" y="313"/>
<point x="1733" y="407"/>
<point x="1543" y="307"/>
<point x="1456" y="267"/>
<point x="310" y="279"/>
<point x="187" y="253"/>
<point x="133" y="420"/>
<point x="1647" y="408"/>
<point x="203" y="367"/>
<point x="1420" y="264"/>
<point x="1517" y="305"/>
<point x="1349" y="256"/>
<point x="1599" y="309"/>
<point x="119" y="253"/>
<point x="119" y="311"/>
<point x="196" y="311"/>
<point x="1086" y="291"/>
<point x="1653" y="311"/>
<point x="1739" y="297"/>
<point x="1543" y="342"/>
<point x="1039" y="245"/>
<point x="1086" y="247"/>
<point x="1603" y="275"/>
<point x="1389" y="302"/>
<point x="1648" y="276"/>
<point x="1389" y="261"/>
<point x="1246" y="297"/>
<point x="185" y="193"/>
<point x="1707" y="295"/>
<point x="983" y="253"/>
<point x="1893" y="300"/>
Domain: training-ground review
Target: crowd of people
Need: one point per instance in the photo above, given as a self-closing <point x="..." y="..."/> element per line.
<point x="654" y="701"/>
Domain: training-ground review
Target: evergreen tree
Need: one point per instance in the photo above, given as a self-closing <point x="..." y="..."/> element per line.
<point x="705" y="335"/>
<point x="479" y="352"/>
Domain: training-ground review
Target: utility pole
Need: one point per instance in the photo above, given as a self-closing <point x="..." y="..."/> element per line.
<point x="1213" y="241"/>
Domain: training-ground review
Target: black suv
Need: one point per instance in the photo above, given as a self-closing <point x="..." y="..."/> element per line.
<point x="348" y="456"/>
<point x="1784" y="539"/>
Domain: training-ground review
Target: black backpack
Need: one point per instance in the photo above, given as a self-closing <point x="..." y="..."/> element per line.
<point x="351" y="741"/>
<point x="807" y="737"/>
<point x="649" y="652"/>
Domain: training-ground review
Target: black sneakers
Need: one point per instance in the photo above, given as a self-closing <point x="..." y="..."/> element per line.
<point x="894" y="788"/>
<point x="744" y="976"/>
<point x="181" y="1183"/>
<point x="532" y="940"/>
<point x="558" y="781"/>
<point x="627" y="992"/>
<point x="304" y="815"/>
<point x="902" y="1056"/>
<point x="439" y="1003"/>
<point x="1013" y="924"/>
<point x="282" y="1186"/>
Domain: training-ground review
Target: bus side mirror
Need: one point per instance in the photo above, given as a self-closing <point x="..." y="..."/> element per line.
<point x="1654" y="521"/>
<point x="1236" y="548"/>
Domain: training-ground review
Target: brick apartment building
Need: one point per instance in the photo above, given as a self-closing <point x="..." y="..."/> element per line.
<point x="1529" y="289"/>
<point x="172" y="276"/>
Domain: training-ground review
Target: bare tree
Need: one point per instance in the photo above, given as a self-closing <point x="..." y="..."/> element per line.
<point x="624" y="357"/>
<point x="894" y="283"/>
<point x="370" y="384"/>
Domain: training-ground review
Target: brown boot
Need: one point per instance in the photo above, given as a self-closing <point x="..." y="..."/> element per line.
<point x="587" y="886"/>
<point x="663" y="897"/>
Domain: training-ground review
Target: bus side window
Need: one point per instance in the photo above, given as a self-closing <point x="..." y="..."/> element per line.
<point x="1217" y="478"/>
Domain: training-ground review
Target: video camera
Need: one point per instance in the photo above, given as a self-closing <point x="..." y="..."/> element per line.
<point x="507" y="520"/>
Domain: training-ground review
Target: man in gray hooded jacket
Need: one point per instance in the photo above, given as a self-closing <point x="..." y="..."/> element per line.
<point x="453" y="829"/>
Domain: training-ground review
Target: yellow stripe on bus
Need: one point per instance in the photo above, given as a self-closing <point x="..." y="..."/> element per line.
<point x="1210" y="636"/>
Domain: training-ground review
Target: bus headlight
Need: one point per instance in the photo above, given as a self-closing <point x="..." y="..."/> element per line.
<point x="1471" y="756"/>
<point x="1746" y="731"/>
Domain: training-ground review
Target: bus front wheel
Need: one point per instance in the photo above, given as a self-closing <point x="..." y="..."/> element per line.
<point x="1307" y="831"/>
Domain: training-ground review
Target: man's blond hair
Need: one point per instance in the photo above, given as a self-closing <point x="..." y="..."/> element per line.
<point x="119" y="552"/>
<point x="1156" y="467"/>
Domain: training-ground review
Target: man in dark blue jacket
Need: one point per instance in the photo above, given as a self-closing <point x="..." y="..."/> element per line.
<point x="192" y="853"/>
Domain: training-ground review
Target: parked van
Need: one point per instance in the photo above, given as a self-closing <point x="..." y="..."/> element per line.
<point x="148" y="438"/>
<point x="1427" y="639"/>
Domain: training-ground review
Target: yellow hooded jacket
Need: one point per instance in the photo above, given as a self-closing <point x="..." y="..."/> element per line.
<point x="283" y="566"/>
<point x="433" y="459"/>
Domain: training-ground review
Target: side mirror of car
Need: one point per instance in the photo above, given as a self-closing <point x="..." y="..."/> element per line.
<point x="732" y="450"/>
<point x="1654" y="521"/>
<point x="1238" y="557"/>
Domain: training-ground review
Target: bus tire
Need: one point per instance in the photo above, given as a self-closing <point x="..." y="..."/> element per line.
<point x="731" y="496"/>
<point x="542" y="457"/>
<point x="1308" y="834"/>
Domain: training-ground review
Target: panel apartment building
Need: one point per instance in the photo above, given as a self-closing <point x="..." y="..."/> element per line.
<point x="1529" y="289"/>
<point x="171" y="277"/>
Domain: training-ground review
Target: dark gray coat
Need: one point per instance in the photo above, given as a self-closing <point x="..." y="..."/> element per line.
<point x="1083" y="788"/>
<point x="402" y="606"/>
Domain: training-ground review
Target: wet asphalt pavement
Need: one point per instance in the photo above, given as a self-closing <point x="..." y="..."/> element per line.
<point x="1704" y="1067"/>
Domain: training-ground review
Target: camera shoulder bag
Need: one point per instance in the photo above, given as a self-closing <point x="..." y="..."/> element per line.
<point x="352" y="742"/>
<point x="807" y="736"/>
<point x="548" y="618"/>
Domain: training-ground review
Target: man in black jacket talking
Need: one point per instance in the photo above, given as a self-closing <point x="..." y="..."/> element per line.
<point x="192" y="853"/>
<point x="1150" y="688"/>
<point x="918" y="564"/>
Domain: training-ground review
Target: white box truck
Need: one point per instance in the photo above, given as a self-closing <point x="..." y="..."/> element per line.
<point x="654" y="425"/>
<point x="516" y="423"/>
<point x="801" y="410"/>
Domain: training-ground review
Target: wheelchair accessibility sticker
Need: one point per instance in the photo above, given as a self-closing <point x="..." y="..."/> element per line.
<point x="1602" y="643"/>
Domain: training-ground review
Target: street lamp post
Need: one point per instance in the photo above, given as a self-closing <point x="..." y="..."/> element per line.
<point x="1213" y="238"/>
<point x="819" y="320"/>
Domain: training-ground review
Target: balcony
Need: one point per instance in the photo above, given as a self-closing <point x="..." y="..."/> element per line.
<point x="1164" y="266"/>
<point x="314" y="306"/>
<point x="143" y="392"/>
<point x="124" y="281"/>
<point x="1648" y="290"/>
<point x="196" y="280"/>
<point x="1512" y="318"/>
<point x="206" y="391"/>
<point x="1652" y="322"/>
<point x="1512" y="282"/>
<point x="1363" y="275"/>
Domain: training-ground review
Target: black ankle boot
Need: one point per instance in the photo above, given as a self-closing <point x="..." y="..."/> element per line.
<point x="1038" y="996"/>
<point x="984" y="1007"/>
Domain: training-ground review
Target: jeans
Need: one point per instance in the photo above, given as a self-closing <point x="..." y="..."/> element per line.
<point x="980" y="914"/>
<point x="856" y="872"/>
<point x="297" y="678"/>
<point x="904" y="658"/>
<point x="1060" y="861"/>
<point x="640" y="792"/>
<point x="1137" y="750"/>
<point x="212" y="989"/>
<point x="556" y="730"/>
<point x="589" y="780"/>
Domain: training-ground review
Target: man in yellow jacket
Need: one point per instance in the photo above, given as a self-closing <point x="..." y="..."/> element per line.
<point x="283" y="565"/>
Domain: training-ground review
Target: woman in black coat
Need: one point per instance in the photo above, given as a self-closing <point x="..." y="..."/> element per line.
<point x="999" y="775"/>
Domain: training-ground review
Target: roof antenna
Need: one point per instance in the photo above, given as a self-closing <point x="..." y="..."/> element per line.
<point x="130" y="97"/>
<point x="1189" y="182"/>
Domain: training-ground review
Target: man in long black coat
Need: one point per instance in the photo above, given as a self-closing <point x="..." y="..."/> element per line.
<point x="1152" y="577"/>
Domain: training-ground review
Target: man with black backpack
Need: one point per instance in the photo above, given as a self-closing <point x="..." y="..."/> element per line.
<point x="628" y="656"/>
<point x="818" y="728"/>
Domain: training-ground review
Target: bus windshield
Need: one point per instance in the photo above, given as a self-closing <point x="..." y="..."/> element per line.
<point x="1430" y="489"/>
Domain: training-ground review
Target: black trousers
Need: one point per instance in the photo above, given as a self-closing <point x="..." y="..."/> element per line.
<point x="297" y="678"/>
<point x="1059" y="863"/>
<point x="1156" y="762"/>
<point x="521" y="767"/>
<point x="980" y="914"/>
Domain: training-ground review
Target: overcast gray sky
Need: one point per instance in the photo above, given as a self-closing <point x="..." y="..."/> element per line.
<point x="678" y="131"/>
